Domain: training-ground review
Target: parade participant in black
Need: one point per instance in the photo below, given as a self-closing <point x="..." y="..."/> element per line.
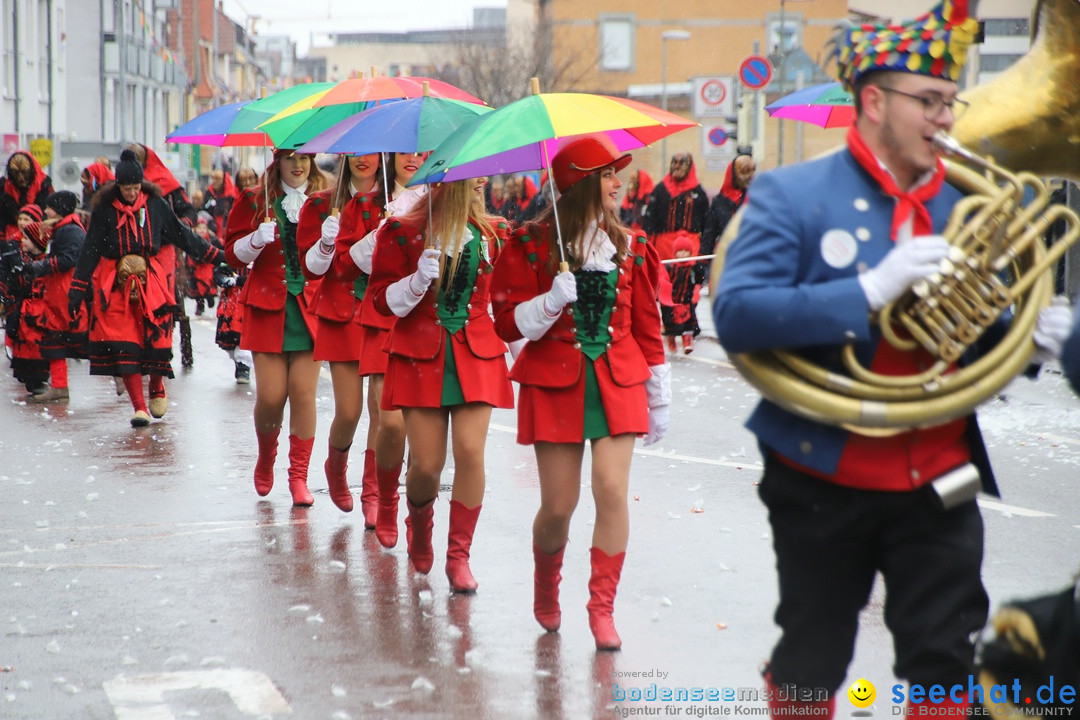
<point x="639" y="187"/>
<point x="821" y="247"/>
<point x="678" y="202"/>
<point x="126" y="272"/>
<point x="23" y="299"/>
<point x="678" y="293"/>
<point x="62" y="336"/>
<point x="24" y="183"/>
<point x="219" y="198"/>
<point x="200" y="276"/>
<point x="230" y="320"/>
<point x="737" y="177"/>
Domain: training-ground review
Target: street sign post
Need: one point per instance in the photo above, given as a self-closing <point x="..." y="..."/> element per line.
<point x="714" y="96"/>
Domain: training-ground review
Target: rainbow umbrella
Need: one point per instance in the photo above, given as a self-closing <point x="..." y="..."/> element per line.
<point x="412" y="125"/>
<point x="384" y="88"/>
<point x="225" y="126"/>
<point x="827" y="105"/>
<point x="525" y="134"/>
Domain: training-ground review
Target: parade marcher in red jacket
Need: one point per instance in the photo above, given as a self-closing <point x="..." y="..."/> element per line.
<point x="127" y="273"/>
<point x="200" y="275"/>
<point x="446" y="363"/>
<point x="61" y="335"/>
<point x="389" y="442"/>
<point x="219" y="198"/>
<point x="592" y="370"/>
<point x="278" y="326"/>
<point x="337" y="305"/>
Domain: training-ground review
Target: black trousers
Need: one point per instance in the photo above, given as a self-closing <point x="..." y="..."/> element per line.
<point x="830" y="542"/>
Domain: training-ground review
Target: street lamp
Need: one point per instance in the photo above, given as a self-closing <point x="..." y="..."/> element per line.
<point x="780" y="71"/>
<point x="664" y="37"/>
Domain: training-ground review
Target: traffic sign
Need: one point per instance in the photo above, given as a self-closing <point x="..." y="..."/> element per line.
<point x="755" y="72"/>
<point x="714" y="96"/>
<point x="718" y="136"/>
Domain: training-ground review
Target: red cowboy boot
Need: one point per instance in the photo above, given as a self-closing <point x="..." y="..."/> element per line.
<point x="688" y="343"/>
<point x="418" y="535"/>
<point x="264" y="466"/>
<point x="299" y="459"/>
<point x="369" y="493"/>
<point x="386" y="528"/>
<point x="783" y="702"/>
<point x="546" y="578"/>
<point x="602" y="586"/>
<point x="336" y="465"/>
<point x="458" y="542"/>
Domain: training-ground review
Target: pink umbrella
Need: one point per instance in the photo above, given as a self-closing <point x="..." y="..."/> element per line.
<point x="827" y="105"/>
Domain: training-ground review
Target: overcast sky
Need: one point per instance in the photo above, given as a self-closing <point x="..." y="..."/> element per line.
<point x="301" y="18"/>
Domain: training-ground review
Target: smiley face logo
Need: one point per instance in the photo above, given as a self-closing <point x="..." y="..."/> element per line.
<point x="862" y="693"/>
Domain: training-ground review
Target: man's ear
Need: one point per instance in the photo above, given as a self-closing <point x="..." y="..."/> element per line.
<point x="872" y="100"/>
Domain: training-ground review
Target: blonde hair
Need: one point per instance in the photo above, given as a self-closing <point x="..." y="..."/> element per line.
<point x="453" y="206"/>
<point x="577" y="206"/>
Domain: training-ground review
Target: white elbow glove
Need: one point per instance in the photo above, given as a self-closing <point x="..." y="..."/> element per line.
<point x="908" y="262"/>
<point x="427" y="269"/>
<point x="658" y="390"/>
<point x="563" y="292"/>
<point x="1052" y="328"/>
<point x="318" y="258"/>
<point x="264" y="235"/>
<point x="330" y="227"/>
<point x="362" y="252"/>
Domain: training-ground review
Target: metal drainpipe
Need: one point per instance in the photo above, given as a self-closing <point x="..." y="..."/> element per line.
<point x="15" y="61"/>
<point x="49" y="50"/>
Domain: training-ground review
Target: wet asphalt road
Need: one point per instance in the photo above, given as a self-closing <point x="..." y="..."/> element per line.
<point x="141" y="578"/>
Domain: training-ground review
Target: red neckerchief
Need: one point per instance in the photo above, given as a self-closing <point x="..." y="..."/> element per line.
<point x="906" y="202"/>
<point x="128" y="220"/>
<point x="644" y="189"/>
<point x="678" y="187"/>
<point x="72" y="219"/>
<point x="99" y="175"/>
<point x="35" y="184"/>
<point x="729" y="190"/>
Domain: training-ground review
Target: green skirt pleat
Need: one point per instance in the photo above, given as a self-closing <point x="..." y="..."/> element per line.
<point x="596" y="425"/>
<point x="297" y="338"/>
<point x="451" y="386"/>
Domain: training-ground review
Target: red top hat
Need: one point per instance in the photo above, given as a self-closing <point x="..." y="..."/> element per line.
<point x="582" y="157"/>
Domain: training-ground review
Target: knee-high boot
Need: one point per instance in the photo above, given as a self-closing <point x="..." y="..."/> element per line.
<point x="603" y="583"/>
<point x="546" y="578"/>
<point x="336" y="465"/>
<point x="418" y="535"/>
<point x="458" y="543"/>
<point x="386" y="528"/>
<point x="369" y="491"/>
<point x="264" y="466"/>
<point x="299" y="460"/>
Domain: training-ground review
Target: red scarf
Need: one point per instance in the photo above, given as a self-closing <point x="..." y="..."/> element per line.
<point x="729" y="190"/>
<point x="156" y="172"/>
<point x="130" y="222"/>
<point x="99" y="175"/>
<point x="906" y="202"/>
<point x="72" y="219"/>
<point x="644" y="189"/>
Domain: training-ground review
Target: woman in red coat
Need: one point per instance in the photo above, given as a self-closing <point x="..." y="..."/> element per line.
<point x="592" y="370"/>
<point x="446" y="363"/>
<point x="388" y="425"/>
<point x="337" y="305"/>
<point x="278" y="326"/>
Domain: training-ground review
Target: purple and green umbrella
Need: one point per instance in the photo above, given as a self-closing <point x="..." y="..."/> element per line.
<point x="827" y="105"/>
<point x="414" y="125"/>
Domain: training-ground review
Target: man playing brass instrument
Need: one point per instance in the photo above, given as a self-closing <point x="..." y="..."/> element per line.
<point x="821" y="246"/>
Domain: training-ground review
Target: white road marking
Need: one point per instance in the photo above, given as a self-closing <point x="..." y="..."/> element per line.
<point x="1011" y="509"/>
<point x="143" y="697"/>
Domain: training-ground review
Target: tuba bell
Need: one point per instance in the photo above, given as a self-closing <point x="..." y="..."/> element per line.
<point x="998" y="262"/>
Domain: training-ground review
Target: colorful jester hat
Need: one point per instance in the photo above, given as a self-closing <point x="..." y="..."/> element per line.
<point x="935" y="44"/>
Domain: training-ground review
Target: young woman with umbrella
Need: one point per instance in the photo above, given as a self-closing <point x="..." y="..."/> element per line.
<point x="322" y="236"/>
<point x="431" y="271"/>
<point x="278" y="326"/>
<point x="593" y="368"/>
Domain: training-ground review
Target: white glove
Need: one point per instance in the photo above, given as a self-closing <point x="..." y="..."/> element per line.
<point x="1052" y="328"/>
<point x="563" y="292"/>
<point x="426" y="271"/>
<point x="264" y="235"/>
<point x="910" y="261"/>
<point x="658" y="424"/>
<point x="658" y="390"/>
<point x="330" y="227"/>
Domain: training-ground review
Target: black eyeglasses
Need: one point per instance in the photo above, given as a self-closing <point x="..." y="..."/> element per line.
<point x="933" y="105"/>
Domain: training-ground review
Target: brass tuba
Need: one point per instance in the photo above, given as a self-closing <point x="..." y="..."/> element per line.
<point x="998" y="262"/>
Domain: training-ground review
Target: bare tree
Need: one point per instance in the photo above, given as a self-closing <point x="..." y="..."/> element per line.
<point x="500" y="75"/>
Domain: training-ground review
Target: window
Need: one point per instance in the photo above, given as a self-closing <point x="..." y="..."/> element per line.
<point x="787" y="38"/>
<point x="43" y="42"/>
<point x="616" y="38"/>
<point x="996" y="63"/>
<point x="7" y="52"/>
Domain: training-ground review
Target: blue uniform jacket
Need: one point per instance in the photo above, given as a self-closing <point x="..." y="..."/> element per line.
<point x="790" y="281"/>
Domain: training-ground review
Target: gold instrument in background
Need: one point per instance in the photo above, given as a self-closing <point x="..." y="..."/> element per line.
<point x="998" y="260"/>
